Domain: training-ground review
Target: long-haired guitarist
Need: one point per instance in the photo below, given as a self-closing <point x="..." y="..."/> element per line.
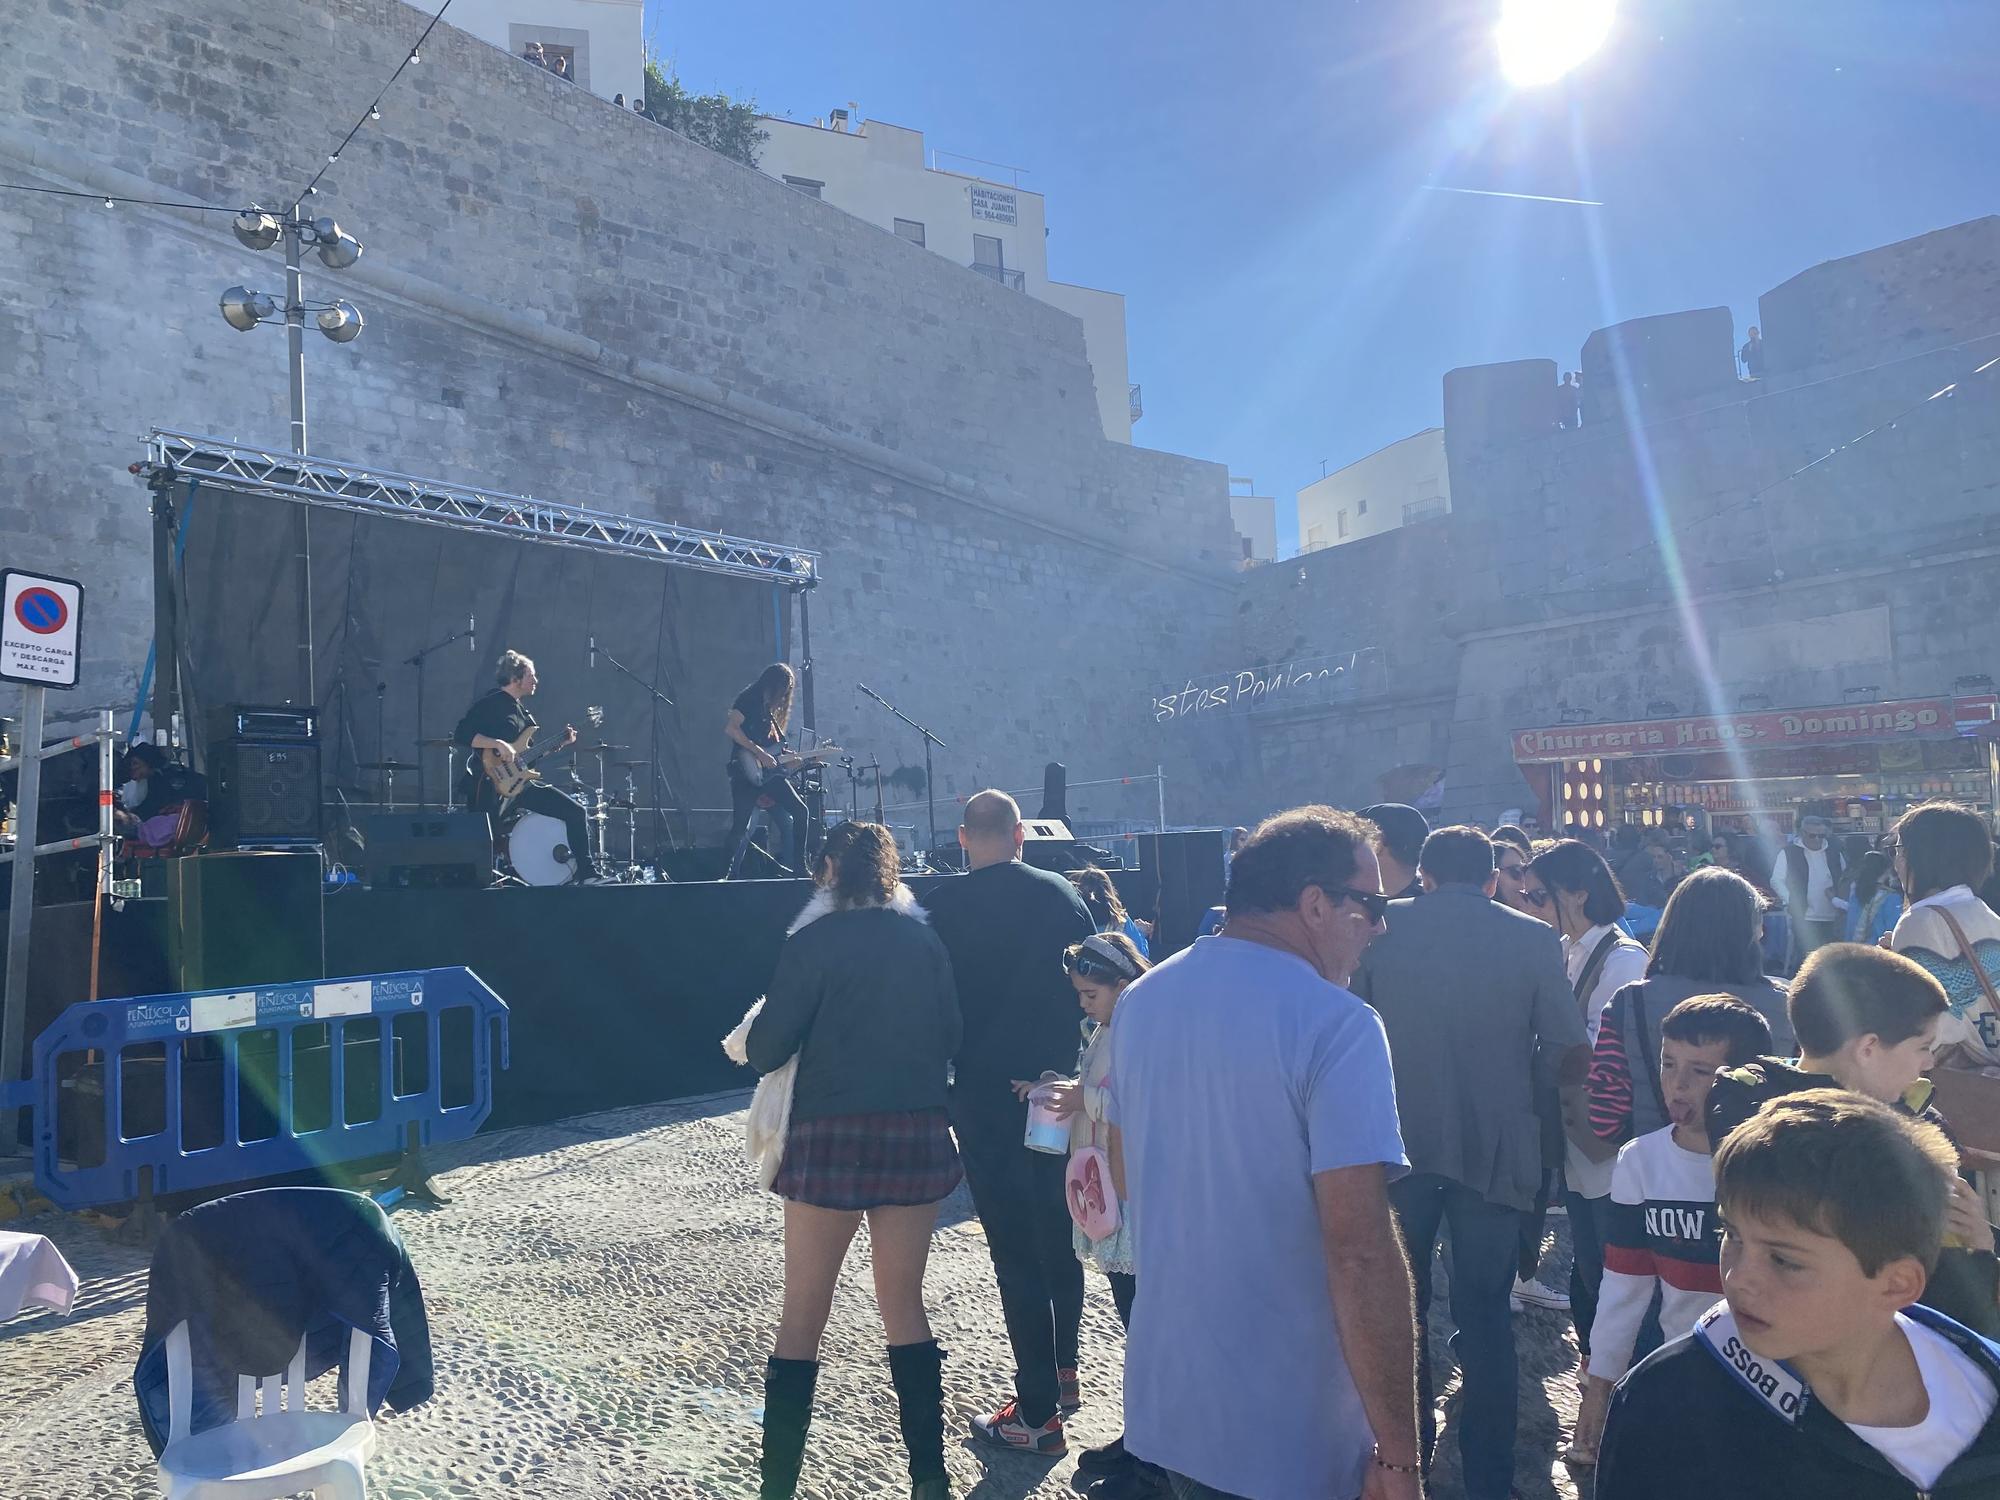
<point x="500" y="723"/>
<point x="756" y="730"/>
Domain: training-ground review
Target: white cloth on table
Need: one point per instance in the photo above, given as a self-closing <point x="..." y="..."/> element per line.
<point x="33" y="1273"/>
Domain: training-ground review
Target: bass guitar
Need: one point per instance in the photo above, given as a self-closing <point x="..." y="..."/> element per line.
<point x="788" y="762"/>
<point x="510" y="777"/>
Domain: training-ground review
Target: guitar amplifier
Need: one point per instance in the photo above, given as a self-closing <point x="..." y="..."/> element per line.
<point x="264" y="794"/>
<point x="247" y="721"/>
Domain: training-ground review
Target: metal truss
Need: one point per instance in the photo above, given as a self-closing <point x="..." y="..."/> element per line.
<point x="380" y="492"/>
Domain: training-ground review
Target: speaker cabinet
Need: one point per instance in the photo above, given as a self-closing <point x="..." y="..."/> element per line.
<point x="264" y="793"/>
<point x="245" y="919"/>
<point x="1187" y="869"/>
<point x="428" y="849"/>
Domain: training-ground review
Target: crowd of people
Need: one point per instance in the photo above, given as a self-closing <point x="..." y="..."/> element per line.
<point x="1402" y="1053"/>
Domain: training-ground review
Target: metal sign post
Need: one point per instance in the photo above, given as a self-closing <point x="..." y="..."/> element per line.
<point x="40" y="630"/>
<point x="21" y="908"/>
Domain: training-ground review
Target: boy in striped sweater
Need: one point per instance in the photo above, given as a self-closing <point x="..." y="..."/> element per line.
<point x="1661" y="1230"/>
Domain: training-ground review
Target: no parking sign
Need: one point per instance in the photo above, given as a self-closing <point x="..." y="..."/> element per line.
<point x="39" y="628"/>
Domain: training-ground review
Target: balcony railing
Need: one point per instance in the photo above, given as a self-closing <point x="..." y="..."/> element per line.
<point x="1006" y="275"/>
<point x="1138" y="406"/>
<point x="1423" y="510"/>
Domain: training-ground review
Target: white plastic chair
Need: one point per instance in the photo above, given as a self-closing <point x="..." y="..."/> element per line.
<point x="273" y="1455"/>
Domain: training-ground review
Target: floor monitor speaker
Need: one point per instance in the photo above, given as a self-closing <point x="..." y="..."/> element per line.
<point x="428" y="849"/>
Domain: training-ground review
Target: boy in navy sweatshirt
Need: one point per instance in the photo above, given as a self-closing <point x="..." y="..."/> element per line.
<point x="1818" y="1376"/>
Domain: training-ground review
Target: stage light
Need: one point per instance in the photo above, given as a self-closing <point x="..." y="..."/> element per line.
<point x="337" y="248"/>
<point x="256" y="229"/>
<point x="341" y="322"/>
<point x="1541" y="40"/>
<point x="243" y="309"/>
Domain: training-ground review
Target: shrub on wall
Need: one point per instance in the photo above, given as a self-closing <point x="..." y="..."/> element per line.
<point x="713" y="120"/>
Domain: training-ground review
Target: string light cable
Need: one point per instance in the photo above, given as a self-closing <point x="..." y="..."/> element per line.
<point x="374" y="110"/>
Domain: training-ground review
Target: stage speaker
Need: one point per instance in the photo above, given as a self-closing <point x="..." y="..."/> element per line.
<point x="1047" y="844"/>
<point x="244" y="918"/>
<point x="1187" y="869"/>
<point x="428" y="849"/>
<point x="263" y="794"/>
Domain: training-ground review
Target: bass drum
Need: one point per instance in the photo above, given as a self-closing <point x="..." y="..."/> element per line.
<point x="538" y="849"/>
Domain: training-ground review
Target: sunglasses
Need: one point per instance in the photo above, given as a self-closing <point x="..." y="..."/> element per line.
<point x="1373" y="902"/>
<point x="1090" y="966"/>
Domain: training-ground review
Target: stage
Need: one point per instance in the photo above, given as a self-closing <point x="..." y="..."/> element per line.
<point x="618" y="994"/>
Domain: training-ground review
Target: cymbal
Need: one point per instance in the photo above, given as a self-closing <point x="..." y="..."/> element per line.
<point x="631" y="763"/>
<point x="435" y="744"/>
<point x="601" y="749"/>
<point x="390" y="765"/>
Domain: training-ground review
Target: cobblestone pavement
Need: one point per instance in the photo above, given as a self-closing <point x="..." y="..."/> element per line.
<point x="602" y="1295"/>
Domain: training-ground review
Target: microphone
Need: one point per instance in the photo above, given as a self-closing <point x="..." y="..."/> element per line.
<point x="593" y="653"/>
<point x="472" y="634"/>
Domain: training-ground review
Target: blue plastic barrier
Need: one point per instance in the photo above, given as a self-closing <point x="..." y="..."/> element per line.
<point x="199" y="1059"/>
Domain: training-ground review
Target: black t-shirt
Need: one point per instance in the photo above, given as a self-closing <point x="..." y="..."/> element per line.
<point x="1006" y="927"/>
<point x="499" y="715"/>
<point x="758" y="726"/>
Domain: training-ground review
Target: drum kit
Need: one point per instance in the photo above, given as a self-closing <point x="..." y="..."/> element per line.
<point x="535" y="849"/>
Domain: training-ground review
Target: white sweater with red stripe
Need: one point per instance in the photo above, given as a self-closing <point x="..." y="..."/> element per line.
<point x="1660" y="1227"/>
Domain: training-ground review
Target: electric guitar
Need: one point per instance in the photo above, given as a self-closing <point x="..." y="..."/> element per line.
<point x="510" y="778"/>
<point x="788" y="761"/>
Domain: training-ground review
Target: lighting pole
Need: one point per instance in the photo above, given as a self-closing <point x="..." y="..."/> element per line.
<point x="340" y="321"/>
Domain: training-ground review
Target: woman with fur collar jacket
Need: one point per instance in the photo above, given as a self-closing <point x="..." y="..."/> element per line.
<point x="863" y="998"/>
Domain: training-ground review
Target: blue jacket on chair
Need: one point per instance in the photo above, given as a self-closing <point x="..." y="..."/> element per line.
<point x="252" y="1273"/>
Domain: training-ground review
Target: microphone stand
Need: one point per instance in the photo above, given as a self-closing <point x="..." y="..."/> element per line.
<point x="660" y="700"/>
<point x="417" y="661"/>
<point x="930" y="784"/>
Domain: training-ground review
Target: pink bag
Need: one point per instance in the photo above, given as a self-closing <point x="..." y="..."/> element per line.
<point x="1093" y="1201"/>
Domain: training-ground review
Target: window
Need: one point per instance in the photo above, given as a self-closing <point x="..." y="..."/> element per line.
<point x="910" y="230"/>
<point x="1315" y="537"/>
<point x="989" y="259"/>
<point x="1248" y="545"/>
<point x="805" y="185"/>
<point x="1360" y="508"/>
<point x="1340" y="524"/>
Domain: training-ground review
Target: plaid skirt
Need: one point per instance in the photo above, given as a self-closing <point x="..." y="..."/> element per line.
<point x="852" y="1162"/>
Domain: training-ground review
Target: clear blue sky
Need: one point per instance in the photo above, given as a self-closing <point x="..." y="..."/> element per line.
<point x="1254" y="177"/>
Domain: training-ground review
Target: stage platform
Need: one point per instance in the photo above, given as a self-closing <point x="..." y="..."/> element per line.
<point x="619" y="995"/>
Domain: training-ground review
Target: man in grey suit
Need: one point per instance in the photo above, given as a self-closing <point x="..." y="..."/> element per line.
<point x="1469" y="992"/>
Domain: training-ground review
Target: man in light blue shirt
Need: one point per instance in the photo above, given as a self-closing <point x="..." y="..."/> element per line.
<point x="1271" y="1354"/>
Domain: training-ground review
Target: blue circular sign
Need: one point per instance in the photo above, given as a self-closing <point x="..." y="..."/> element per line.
<point x="41" y="610"/>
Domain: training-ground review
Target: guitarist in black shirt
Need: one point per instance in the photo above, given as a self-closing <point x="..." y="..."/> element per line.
<point x="496" y="722"/>
<point x="756" y="731"/>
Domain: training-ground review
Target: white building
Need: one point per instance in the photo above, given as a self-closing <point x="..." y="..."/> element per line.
<point x="1404" y="482"/>
<point x="878" y="172"/>
<point x="604" y="40"/>
<point x="1255" y="520"/>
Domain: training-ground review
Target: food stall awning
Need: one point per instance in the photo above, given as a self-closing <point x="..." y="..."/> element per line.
<point x="1776" y="729"/>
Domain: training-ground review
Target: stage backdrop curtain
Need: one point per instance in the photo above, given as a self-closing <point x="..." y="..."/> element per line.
<point x="383" y="588"/>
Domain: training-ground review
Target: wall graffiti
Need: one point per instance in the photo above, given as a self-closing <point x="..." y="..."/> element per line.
<point x="1314" y="678"/>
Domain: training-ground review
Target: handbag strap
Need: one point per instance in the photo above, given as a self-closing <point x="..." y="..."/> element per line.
<point x="1649" y="1054"/>
<point x="1586" y="980"/>
<point x="1965" y="951"/>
